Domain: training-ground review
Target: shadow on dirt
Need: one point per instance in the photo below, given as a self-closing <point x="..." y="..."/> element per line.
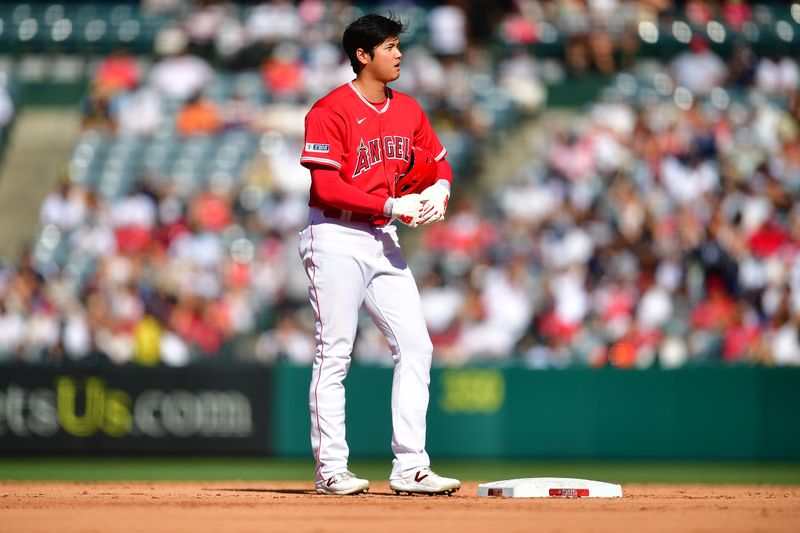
<point x="276" y="491"/>
<point x="311" y="492"/>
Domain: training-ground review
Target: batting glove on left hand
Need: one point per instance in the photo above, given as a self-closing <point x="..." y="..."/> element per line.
<point x="436" y="198"/>
<point x="407" y="209"/>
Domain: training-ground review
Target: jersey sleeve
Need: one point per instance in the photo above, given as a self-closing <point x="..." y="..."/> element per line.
<point x="426" y="138"/>
<point x="324" y="140"/>
<point x="331" y="190"/>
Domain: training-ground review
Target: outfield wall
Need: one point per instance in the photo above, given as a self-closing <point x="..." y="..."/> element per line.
<point x="692" y="413"/>
<point x="135" y="410"/>
<point x="713" y="413"/>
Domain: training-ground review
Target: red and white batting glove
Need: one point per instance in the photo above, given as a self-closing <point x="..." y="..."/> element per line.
<point x="435" y="200"/>
<point x="407" y="209"/>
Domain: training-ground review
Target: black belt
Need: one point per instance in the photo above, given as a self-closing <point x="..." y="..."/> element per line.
<point x="343" y="214"/>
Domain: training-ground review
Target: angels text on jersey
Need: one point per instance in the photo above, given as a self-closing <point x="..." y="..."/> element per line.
<point x="371" y="152"/>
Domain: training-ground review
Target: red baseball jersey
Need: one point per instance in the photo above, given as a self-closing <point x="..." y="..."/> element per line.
<point x="369" y="145"/>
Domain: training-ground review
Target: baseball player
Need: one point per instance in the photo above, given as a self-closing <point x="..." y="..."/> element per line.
<point x="358" y="140"/>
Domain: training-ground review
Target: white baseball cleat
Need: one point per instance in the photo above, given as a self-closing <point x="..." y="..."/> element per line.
<point x="425" y="481"/>
<point x="342" y="483"/>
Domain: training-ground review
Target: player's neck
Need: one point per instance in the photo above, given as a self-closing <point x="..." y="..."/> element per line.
<point x="371" y="89"/>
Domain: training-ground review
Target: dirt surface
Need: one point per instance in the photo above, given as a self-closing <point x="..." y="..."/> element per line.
<point x="293" y="507"/>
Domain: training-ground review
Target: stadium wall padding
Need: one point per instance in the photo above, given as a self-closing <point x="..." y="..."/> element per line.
<point x="700" y="413"/>
<point x="696" y="413"/>
<point x="107" y="410"/>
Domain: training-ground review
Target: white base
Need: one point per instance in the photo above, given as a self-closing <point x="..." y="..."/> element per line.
<point x="550" y="487"/>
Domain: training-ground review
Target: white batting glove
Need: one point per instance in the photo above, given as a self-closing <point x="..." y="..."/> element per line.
<point x="436" y="197"/>
<point x="407" y="209"/>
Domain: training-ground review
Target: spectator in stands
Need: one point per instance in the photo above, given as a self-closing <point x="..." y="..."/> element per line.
<point x="238" y="112"/>
<point x="229" y="43"/>
<point x="777" y="74"/>
<point x="508" y="308"/>
<point x="171" y="40"/>
<point x="211" y="211"/>
<point x="654" y="308"/>
<point x="147" y="341"/>
<point x="94" y="237"/>
<point x="192" y="318"/>
<point x="698" y="69"/>
<point x="180" y="76"/>
<point x="742" y="65"/>
<point x="172" y="221"/>
<point x="699" y="12"/>
<point x="326" y="69"/>
<point x="65" y="207"/>
<point x="283" y="73"/>
<point x="173" y="350"/>
<point x="272" y="22"/>
<point x="12" y="333"/>
<point x="441" y="303"/>
<point x="520" y="26"/>
<point x="133" y="218"/>
<point x="77" y="336"/>
<point x="474" y="335"/>
<point x="200" y="253"/>
<point x="202" y="24"/>
<point x="98" y="109"/>
<point x="710" y="319"/>
<point x="687" y="177"/>
<point x="288" y="341"/>
<point x="742" y="341"/>
<point x="783" y="336"/>
<point x="574" y="22"/>
<point x="43" y="336"/>
<point x="519" y="77"/>
<point x="139" y="112"/>
<point x="447" y="27"/>
<point x="736" y="13"/>
<point x="198" y="116"/>
<point x="118" y="72"/>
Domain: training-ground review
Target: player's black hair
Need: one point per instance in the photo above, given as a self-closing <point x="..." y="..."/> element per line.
<point x="367" y="32"/>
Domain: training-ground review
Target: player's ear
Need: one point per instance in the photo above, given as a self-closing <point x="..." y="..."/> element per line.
<point x="363" y="56"/>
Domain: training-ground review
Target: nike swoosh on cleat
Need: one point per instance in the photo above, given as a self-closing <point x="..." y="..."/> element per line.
<point x="419" y="478"/>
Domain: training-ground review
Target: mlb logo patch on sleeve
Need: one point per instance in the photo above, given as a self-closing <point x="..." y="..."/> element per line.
<point x="318" y="148"/>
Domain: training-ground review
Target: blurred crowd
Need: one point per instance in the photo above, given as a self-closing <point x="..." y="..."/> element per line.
<point x="657" y="226"/>
<point x="6" y="112"/>
<point x="604" y="36"/>
<point x="168" y="271"/>
<point x="294" y="49"/>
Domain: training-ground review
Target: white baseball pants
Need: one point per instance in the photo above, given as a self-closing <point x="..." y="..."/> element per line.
<point x="350" y="263"/>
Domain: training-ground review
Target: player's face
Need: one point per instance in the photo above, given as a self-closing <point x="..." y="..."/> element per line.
<point x="386" y="58"/>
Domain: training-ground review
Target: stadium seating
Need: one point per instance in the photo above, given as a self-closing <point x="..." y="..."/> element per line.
<point x="40" y="27"/>
<point x="250" y="290"/>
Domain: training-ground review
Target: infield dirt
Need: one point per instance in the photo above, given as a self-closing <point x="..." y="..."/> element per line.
<point x="293" y="507"/>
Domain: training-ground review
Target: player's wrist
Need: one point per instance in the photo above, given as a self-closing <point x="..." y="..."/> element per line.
<point x="444" y="183"/>
<point x="388" y="207"/>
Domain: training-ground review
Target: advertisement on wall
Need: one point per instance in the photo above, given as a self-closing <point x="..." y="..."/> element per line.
<point x="196" y="410"/>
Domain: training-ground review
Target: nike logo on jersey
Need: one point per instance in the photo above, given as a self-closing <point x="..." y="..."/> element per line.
<point x="419" y="478"/>
<point x="360" y="120"/>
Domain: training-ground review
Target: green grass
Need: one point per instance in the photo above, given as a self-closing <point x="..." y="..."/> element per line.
<point x="253" y="469"/>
